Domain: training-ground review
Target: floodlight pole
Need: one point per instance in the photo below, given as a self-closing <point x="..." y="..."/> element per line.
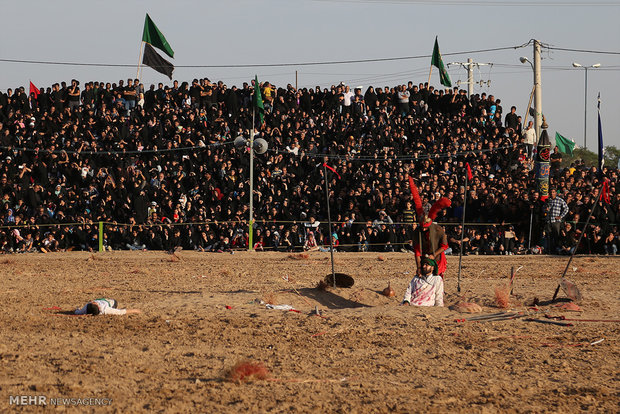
<point x="585" y="97"/>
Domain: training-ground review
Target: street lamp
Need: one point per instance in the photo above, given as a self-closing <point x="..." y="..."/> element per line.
<point x="538" y="125"/>
<point x="523" y="59"/>
<point x="585" y="95"/>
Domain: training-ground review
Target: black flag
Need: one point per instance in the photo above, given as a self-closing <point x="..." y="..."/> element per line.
<point x="154" y="60"/>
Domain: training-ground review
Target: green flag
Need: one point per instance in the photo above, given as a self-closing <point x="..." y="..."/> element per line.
<point x="438" y="63"/>
<point x="258" y="100"/>
<point x="565" y="145"/>
<point x="154" y="37"/>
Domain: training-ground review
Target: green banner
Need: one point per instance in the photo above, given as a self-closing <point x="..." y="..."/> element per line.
<point x="154" y="37"/>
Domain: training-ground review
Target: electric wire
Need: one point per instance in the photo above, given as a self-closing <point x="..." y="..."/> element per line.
<point x="258" y="65"/>
<point x="600" y="52"/>
<point x="484" y="3"/>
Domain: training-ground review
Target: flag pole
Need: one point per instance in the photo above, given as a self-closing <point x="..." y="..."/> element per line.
<point x="601" y="148"/>
<point x="585" y="227"/>
<point x="458" y="285"/>
<point x="430" y="72"/>
<point x="251" y="222"/>
<point x="529" y="237"/>
<point x="529" y="105"/>
<point x="141" y="48"/>
<point x="329" y="220"/>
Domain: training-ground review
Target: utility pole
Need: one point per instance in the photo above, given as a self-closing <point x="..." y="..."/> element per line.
<point x="470" y="77"/>
<point x="469" y="67"/>
<point x="537" y="89"/>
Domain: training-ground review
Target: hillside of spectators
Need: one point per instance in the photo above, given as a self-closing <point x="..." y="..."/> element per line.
<point x="158" y="166"/>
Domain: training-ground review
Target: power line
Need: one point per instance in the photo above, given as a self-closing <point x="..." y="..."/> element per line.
<point x="601" y="52"/>
<point x="333" y="62"/>
<point x="258" y="65"/>
<point x="578" y="3"/>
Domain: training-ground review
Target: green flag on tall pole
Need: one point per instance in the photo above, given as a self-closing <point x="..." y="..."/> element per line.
<point x="438" y="63"/>
<point x="154" y="37"/>
<point x="564" y="144"/>
<point x="258" y="100"/>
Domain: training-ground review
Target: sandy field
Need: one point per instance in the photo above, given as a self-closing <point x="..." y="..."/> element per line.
<point x="202" y="314"/>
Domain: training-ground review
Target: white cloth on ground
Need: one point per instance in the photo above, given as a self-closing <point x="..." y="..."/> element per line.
<point x="279" y="307"/>
<point x="105" y="308"/>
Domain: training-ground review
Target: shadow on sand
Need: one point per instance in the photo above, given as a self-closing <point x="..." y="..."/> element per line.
<point x="329" y="299"/>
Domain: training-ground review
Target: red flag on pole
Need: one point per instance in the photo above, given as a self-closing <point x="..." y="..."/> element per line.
<point x="415" y="196"/>
<point x="606" y="192"/>
<point x="34" y="90"/>
<point x="333" y="170"/>
<point x="469" y="175"/>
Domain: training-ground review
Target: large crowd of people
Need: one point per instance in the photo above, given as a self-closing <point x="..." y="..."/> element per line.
<point x="158" y="167"/>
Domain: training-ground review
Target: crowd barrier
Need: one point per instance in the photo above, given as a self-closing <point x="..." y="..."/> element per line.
<point x="101" y="226"/>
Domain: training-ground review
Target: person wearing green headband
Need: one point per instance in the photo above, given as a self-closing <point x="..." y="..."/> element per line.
<point x="425" y="289"/>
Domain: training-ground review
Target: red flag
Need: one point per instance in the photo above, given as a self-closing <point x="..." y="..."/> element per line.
<point x="333" y="170"/>
<point x="34" y="90"/>
<point x="415" y="196"/>
<point x="469" y="175"/>
<point x="606" y="192"/>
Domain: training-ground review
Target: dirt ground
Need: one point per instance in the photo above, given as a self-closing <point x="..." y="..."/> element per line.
<point x="202" y="314"/>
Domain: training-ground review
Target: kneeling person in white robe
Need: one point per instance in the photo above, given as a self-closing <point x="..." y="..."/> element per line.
<point x="426" y="289"/>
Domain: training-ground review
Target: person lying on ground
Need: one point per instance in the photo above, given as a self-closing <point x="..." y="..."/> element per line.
<point x="104" y="306"/>
<point x="425" y="289"/>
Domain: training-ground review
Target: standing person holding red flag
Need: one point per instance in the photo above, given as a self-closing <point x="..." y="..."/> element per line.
<point x="429" y="239"/>
<point x="33" y="97"/>
<point x="34" y="91"/>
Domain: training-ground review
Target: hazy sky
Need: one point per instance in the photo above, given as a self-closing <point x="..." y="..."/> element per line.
<point x="243" y="32"/>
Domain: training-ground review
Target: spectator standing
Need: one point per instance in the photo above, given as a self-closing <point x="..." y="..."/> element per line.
<point x="74" y="94"/>
<point x="403" y="100"/>
<point x="529" y="139"/>
<point x="129" y="94"/>
<point x="512" y="119"/>
<point x="556" y="210"/>
<point x="348" y="99"/>
<point x="555" y="161"/>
